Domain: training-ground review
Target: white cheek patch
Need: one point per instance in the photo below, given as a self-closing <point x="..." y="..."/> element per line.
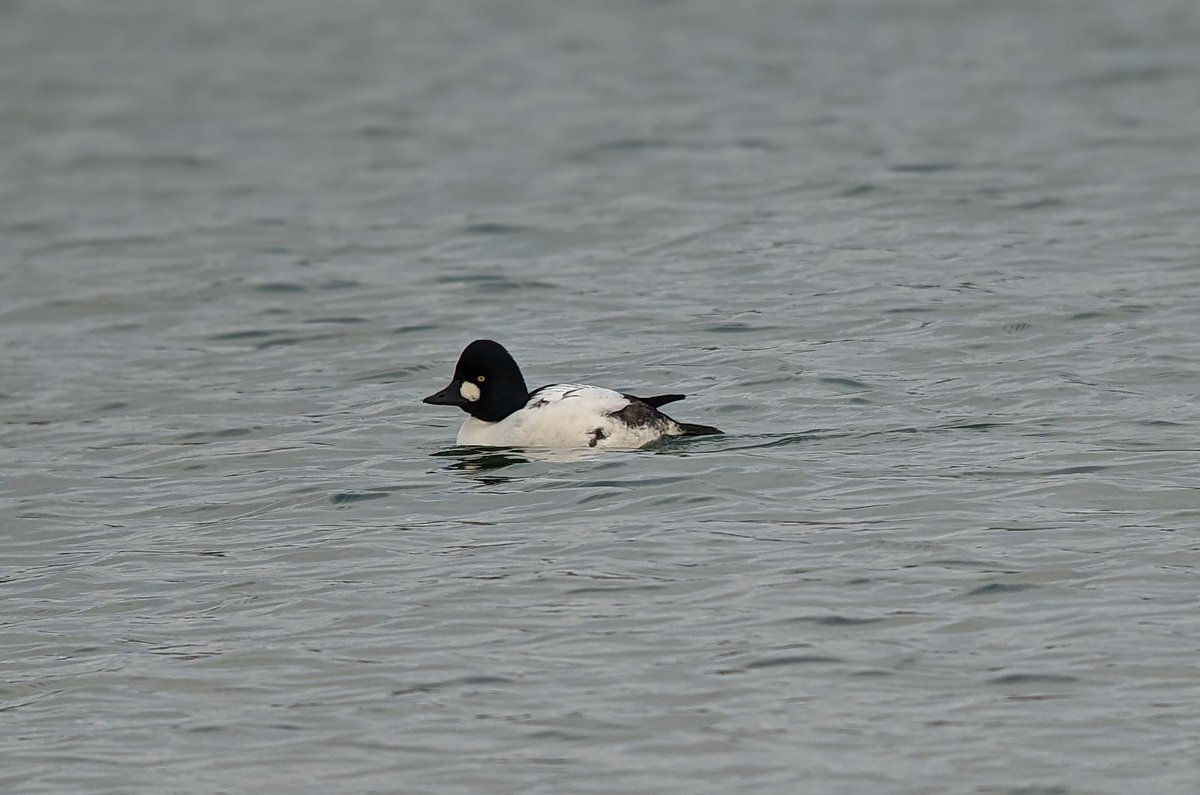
<point x="469" y="391"/>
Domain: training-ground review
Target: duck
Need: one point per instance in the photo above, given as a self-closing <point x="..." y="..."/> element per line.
<point x="488" y="385"/>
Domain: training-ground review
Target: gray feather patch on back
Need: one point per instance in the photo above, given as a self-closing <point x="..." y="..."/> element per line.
<point x="639" y="415"/>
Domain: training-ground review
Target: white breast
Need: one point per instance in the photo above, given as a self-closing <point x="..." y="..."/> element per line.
<point x="563" y="415"/>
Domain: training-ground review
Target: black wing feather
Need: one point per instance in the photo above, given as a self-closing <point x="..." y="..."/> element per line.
<point x="657" y="400"/>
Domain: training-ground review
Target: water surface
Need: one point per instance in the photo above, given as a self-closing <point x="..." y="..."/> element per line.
<point x="931" y="265"/>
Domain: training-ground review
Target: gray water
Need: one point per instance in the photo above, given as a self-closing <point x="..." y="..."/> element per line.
<point x="933" y="266"/>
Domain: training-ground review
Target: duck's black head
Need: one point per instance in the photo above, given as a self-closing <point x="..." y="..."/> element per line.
<point x="487" y="383"/>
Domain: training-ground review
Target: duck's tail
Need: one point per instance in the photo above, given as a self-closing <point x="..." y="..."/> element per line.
<point x="688" y="429"/>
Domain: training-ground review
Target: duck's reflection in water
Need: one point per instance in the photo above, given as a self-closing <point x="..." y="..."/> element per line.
<point x="479" y="460"/>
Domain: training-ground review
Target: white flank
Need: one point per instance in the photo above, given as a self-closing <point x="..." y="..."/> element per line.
<point x="563" y="415"/>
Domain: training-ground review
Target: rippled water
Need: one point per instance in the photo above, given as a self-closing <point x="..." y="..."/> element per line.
<point x="932" y="266"/>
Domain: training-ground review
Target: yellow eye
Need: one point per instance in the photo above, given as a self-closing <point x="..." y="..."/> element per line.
<point x="481" y="378"/>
